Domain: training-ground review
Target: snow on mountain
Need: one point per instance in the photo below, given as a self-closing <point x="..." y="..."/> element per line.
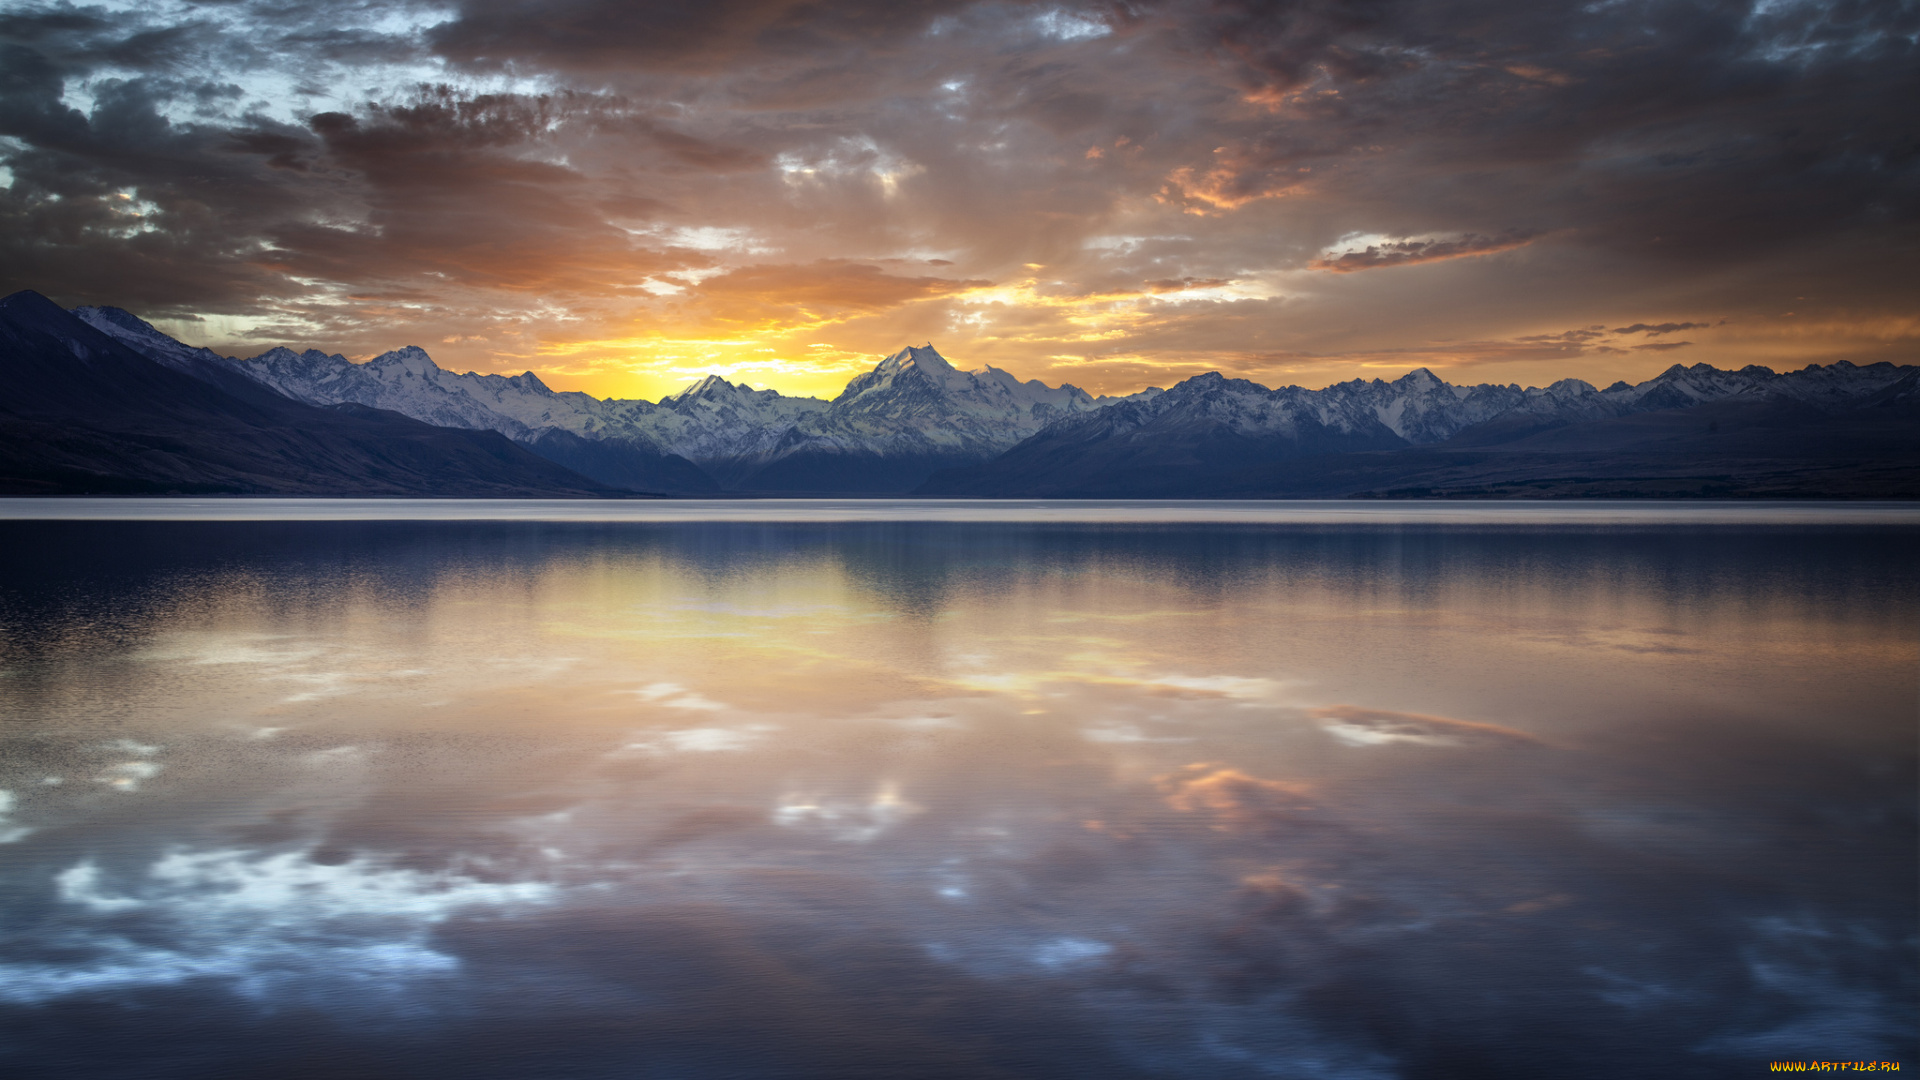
<point x="916" y="402"/>
<point x="915" y="413"/>
<point x="1210" y="407"/>
<point x="150" y="342"/>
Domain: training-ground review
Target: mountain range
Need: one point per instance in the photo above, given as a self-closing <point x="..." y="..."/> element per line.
<point x="914" y="424"/>
<point x="81" y="412"/>
<point x="1826" y="431"/>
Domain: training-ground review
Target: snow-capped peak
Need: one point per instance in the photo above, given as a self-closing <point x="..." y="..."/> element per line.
<point x="925" y="357"/>
<point x="913" y="364"/>
<point x="411" y="357"/>
<point x="136" y="332"/>
<point x="707" y="386"/>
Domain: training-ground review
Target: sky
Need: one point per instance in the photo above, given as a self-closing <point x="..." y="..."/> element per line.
<point x="623" y="195"/>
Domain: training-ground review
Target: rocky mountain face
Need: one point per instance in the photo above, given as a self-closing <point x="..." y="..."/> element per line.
<point x="86" y="413"/>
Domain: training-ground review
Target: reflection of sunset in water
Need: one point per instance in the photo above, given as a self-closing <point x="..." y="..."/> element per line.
<point x="1004" y="800"/>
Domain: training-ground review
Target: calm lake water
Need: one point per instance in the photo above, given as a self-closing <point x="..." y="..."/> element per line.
<point x="1015" y="790"/>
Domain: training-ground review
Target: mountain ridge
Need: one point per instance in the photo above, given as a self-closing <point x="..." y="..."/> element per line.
<point x="1825" y="430"/>
<point x="915" y="423"/>
<point x="85" y="413"/>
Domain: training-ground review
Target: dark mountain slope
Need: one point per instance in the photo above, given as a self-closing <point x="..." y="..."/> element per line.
<point x="631" y="464"/>
<point x="1159" y="447"/>
<point x="1756" y="443"/>
<point x="80" y="412"/>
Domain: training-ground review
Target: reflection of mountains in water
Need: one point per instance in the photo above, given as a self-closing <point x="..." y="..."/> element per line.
<point x="916" y="424"/>
<point x="916" y="570"/>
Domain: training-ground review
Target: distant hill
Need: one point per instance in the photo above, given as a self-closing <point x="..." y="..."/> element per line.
<point x="82" y="413"/>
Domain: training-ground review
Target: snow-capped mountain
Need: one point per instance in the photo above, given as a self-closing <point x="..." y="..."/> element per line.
<point x="914" y="415"/>
<point x="1186" y="440"/>
<point x="84" y="413"/>
<point x="890" y="429"/>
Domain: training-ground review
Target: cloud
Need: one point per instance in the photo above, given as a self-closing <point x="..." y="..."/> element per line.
<point x="1392" y="253"/>
<point x="512" y="174"/>
<point x="805" y="295"/>
<point x="1656" y="329"/>
<point x="601" y="35"/>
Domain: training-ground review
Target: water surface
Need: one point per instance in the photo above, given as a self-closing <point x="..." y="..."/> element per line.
<point x="704" y="796"/>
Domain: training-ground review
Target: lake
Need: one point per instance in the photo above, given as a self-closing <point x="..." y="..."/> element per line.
<point x="884" y="789"/>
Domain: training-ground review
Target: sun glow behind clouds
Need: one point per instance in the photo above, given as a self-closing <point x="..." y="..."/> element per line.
<point x="640" y="205"/>
<point x="652" y="367"/>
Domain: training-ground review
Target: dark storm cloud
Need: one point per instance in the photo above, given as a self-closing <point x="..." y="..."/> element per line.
<point x="669" y="34"/>
<point x="1662" y="107"/>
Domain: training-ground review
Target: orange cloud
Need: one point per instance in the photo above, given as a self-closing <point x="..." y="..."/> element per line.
<point x="813" y="293"/>
<point x="1235" y="179"/>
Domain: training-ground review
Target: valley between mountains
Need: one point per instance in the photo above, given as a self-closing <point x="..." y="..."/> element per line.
<point x="101" y="401"/>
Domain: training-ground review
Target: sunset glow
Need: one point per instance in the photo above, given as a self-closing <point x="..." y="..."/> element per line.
<point x="623" y="198"/>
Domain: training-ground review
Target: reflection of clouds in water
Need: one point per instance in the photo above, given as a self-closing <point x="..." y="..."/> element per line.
<point x="1232" y="800"/>
<point x="269" y="650"/>
<point x="1068" y="953"/>
<point x="1378" y="727"/>
<point x="321" y="669"/>
<point x="1308" y="901"/>
<point x="128" y="775"/>
<point x="137" y="749"/>
<point x="1237" y="687"/>
<point x="850" y="822"/>
<point x="939" y="722"/>
<point x="1105" y="670"/>
<point x="810" y="611"/>
<point x="675" y="696"/>
<point x="1819" y="992"/>
<point x="9" y="832"/>
<point x="1126" y="733"/>
<point x="258" y="921"/>
<point x="1628" y="993"/>
<point x="709" y="740"/>
<point x="1669" y="830"/>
